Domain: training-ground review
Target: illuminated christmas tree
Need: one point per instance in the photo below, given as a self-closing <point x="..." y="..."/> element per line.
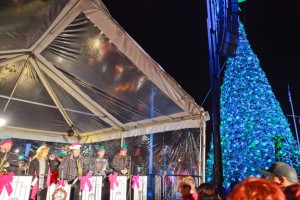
<point x="254" y="130"/>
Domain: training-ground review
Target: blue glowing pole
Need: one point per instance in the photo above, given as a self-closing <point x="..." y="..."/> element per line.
<point x="151" y="186"/>
<point x="151" y="153"/>
<point x="151" y="135"/>
<point x="27" y="149"/>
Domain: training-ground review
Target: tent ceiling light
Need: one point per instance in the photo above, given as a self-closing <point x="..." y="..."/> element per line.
<point x="2" y="122"/>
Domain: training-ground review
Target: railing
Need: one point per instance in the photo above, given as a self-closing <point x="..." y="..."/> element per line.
<point x="165" y="187"/>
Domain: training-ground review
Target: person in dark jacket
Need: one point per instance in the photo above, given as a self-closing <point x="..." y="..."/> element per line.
<point x="71" y="168"/>
<point x="54" y="166"/>
<point x="39" y="169"/>
<point x="8" y="160"/>
<point x="119" y="162"/>
<point x="99" y="165"/>
<point x="137" y="161"/>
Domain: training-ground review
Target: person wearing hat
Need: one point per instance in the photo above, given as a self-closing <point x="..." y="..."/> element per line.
<point x="22" y="166"/>
<point x="39" y="168"/>
<point x="138" y="163"/>
<point x="21" y="161"/>
<point x="119" y="162"/>
<point x="54" y="166"/>
<point x="8" y="160"/>
<point x="281" y="173"/>
<point x="99" y="166"/>
<point x="71" y="168"/>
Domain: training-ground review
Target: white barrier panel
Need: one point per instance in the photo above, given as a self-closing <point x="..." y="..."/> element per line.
<point x="95" y="193"/>
<point x="119" y="192"/>
<point x="21" y="186"/>
<point x="158" y="187"/>
<point x="141" y="192"/>
<point x="60" y="192"/>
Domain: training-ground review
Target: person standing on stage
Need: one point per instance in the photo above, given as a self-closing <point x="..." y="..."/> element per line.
<point x="119" y="162"/>
<point x="71" y="168"/>
<point x="39" y="169"/>
<point x="99" y="166"/>
<point x="138" y="163"/>
<point x="22" y="166"/>
<point x="54" y="166"/>
<point x="8" y="160"/>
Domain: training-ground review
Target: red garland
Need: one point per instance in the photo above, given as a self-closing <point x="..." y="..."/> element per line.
<point x="59" y="190"/>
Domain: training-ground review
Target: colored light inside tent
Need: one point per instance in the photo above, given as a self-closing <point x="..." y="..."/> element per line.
<point x="2" y="122"/>
<point x="17" y="150"/>
<point x="96" y="43"/>
<point x="141" y="81"/>
<point x="118" y="69"/>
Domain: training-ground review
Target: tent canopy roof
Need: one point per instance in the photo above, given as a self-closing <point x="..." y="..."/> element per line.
<point x="68" y="64"/>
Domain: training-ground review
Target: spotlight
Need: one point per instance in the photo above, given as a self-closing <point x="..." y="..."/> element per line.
<point x="70" y="131"/>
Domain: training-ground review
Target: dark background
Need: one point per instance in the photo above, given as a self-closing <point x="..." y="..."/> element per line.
<point x="174" y="34"/>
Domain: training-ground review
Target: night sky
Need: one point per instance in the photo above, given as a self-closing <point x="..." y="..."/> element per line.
<point x="174" y="34"/>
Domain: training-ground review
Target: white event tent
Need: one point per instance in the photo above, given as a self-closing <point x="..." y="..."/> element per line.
<point x="70" y="64"/>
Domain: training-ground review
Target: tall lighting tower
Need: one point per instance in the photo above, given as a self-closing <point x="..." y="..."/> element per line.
<point x="222" y="31"/>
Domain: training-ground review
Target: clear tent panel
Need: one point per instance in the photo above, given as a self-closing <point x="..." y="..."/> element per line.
<point x="3" y="103"/>
<point x="132" y="109"/>
<point x="9" y="75"/>
<point x="23" y="23"/>
<point x="30" y="116"/>
<point x="25" y="103"/>
<point x="82" y="119"/>
<point x="86" y="55"/>
<point x="30" y="87"/>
